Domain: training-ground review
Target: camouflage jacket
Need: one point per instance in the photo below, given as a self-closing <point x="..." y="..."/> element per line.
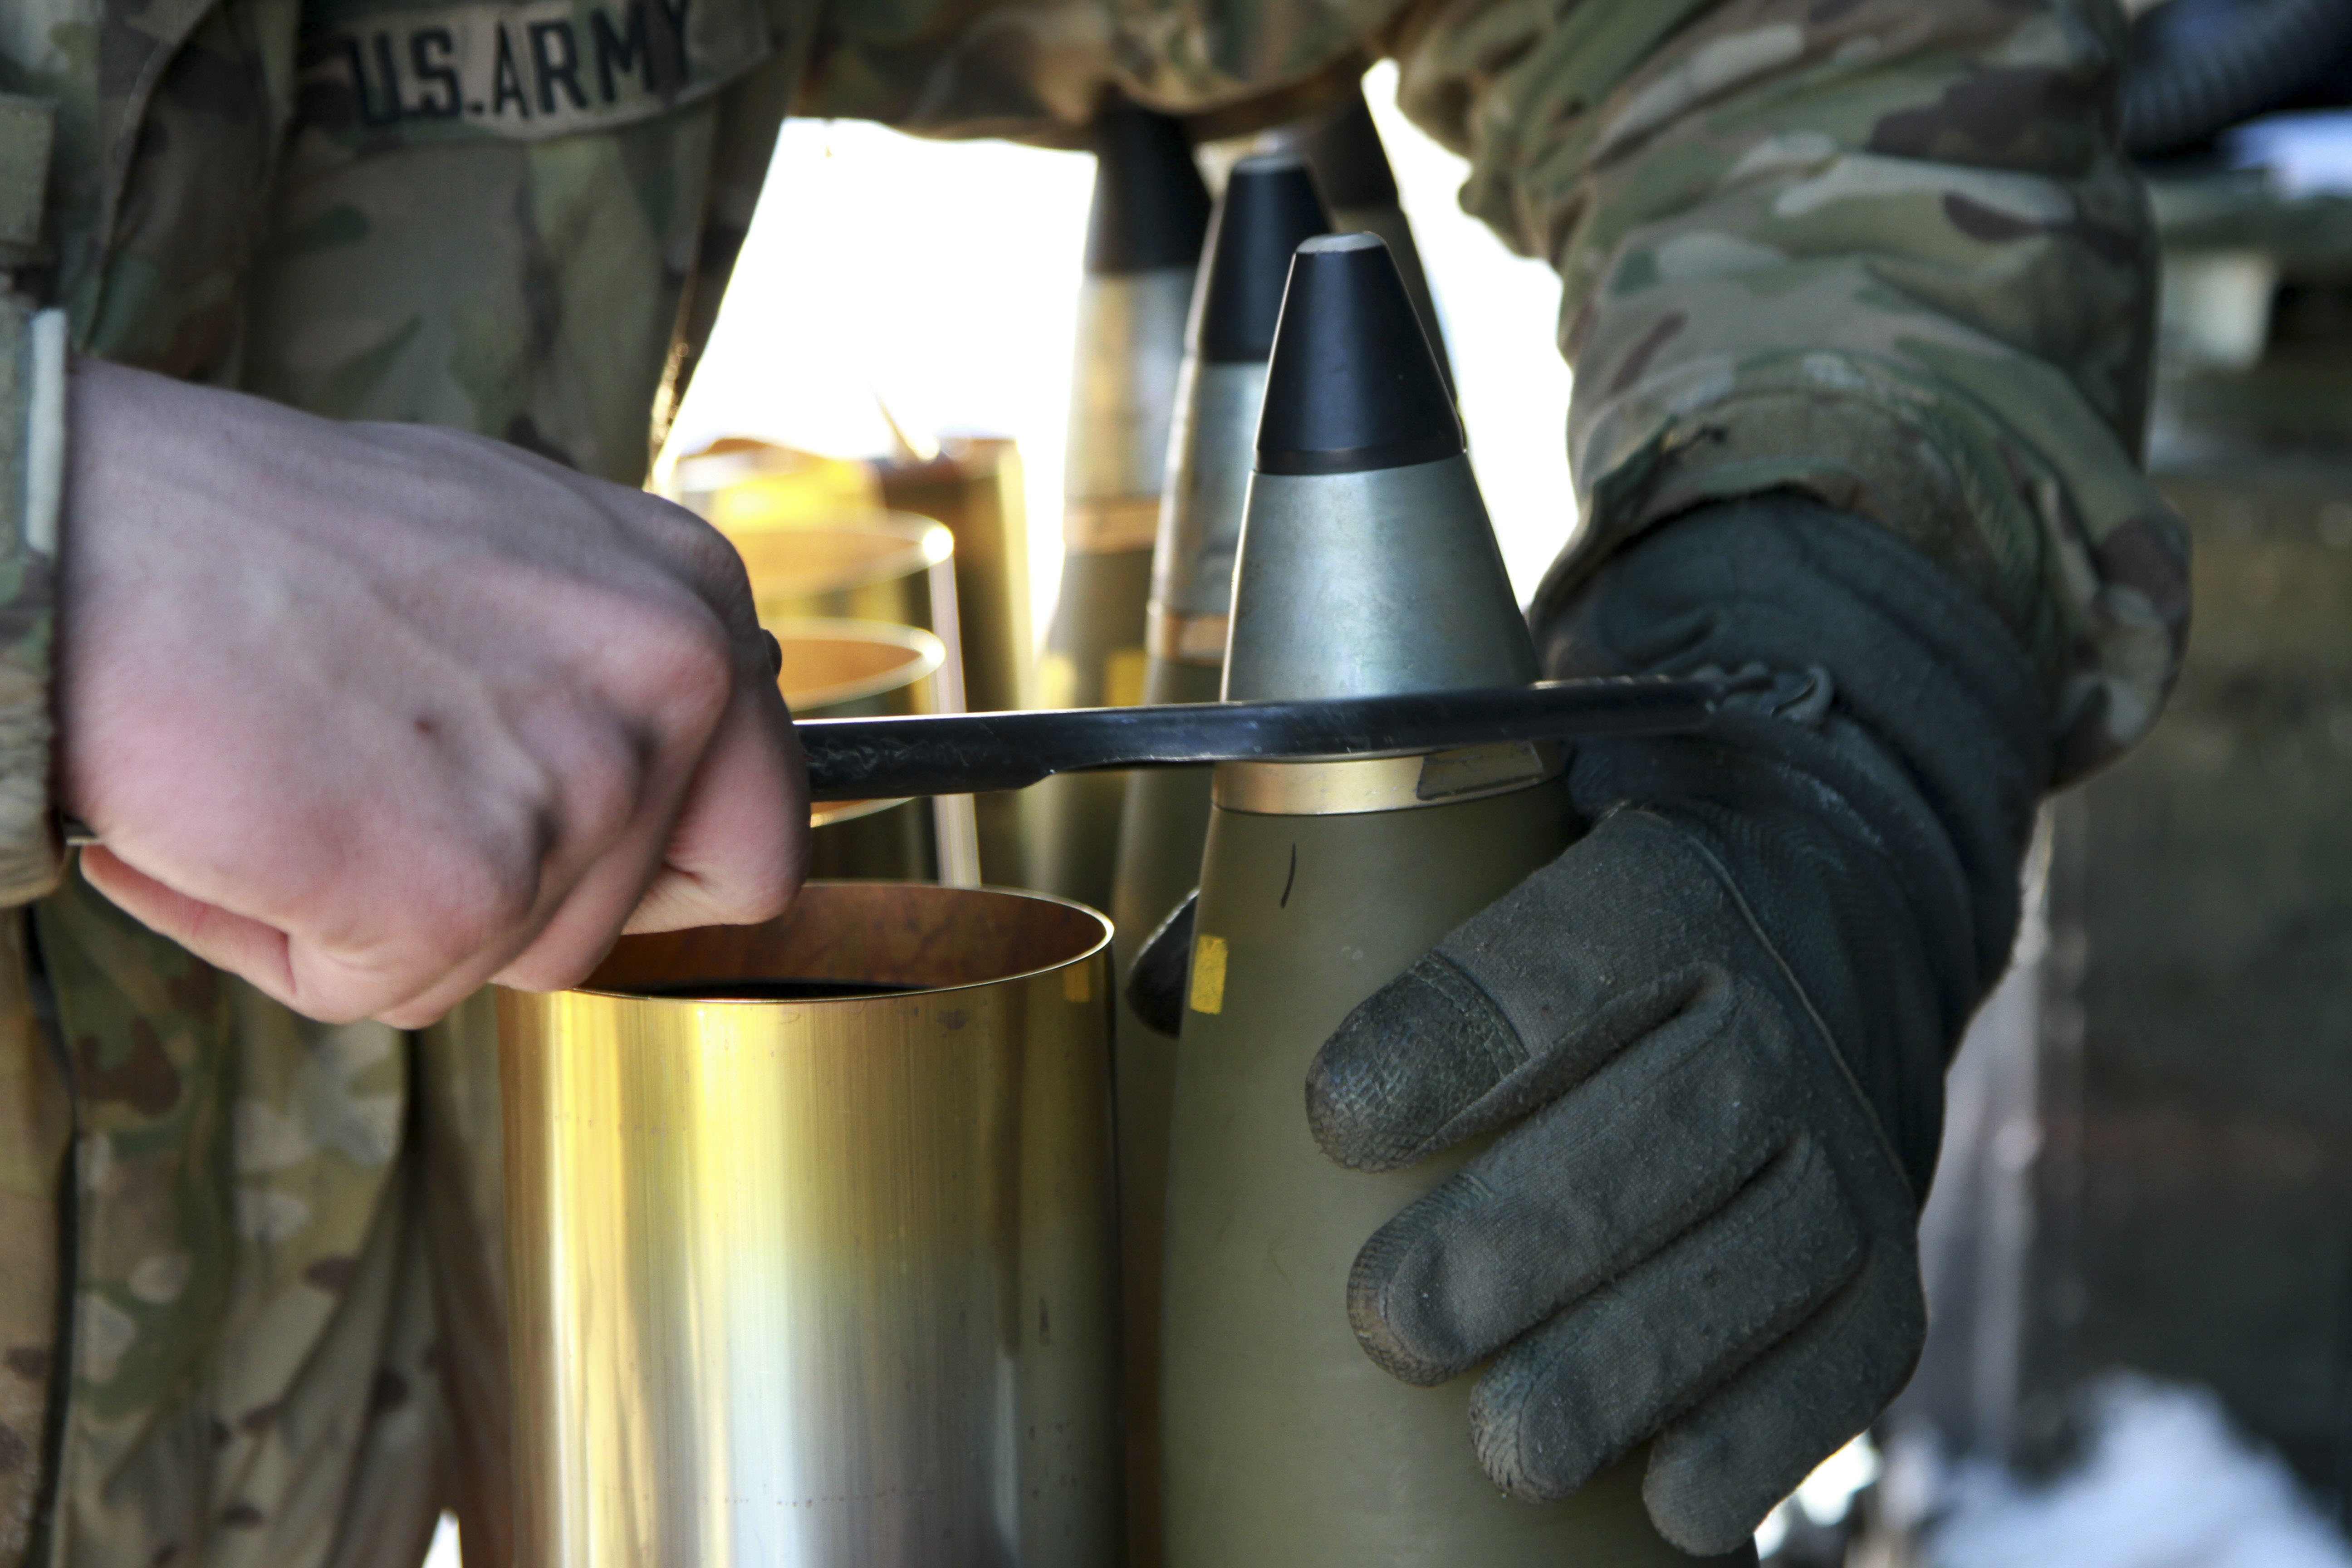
<point x="1882" y="249"/>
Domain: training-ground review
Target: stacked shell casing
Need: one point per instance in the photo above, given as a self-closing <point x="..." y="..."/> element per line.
<point x="1268" y="207"/>
<point x="1143" y="245"/>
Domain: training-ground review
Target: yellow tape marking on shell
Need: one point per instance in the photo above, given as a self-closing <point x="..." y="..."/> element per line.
<point x="1209" y="975"/>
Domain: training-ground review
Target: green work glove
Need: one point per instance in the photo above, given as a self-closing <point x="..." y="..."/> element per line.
<point x="1712" y="1034"/>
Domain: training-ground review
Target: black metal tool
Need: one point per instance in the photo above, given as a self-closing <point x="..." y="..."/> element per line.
<point x="965" y="753"/>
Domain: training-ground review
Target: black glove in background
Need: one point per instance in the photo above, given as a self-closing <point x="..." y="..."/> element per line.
<point x="1714" y="1029"/>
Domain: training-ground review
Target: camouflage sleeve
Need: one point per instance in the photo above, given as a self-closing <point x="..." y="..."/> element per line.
<point x="1035" y="69"/>
<point x="32" y="462"/>
<point x="1881" y="251"/>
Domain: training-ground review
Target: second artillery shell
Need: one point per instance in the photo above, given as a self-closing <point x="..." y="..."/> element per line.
<point x="1268" y="207"/>
<point x="1343" y="145"/>
<point x="1143" y="245"/>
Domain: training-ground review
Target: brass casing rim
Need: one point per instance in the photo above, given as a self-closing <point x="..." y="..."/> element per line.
<point x="1185" y="640"/>
<point x="927" y="654"/>
<point x="905" y="544"/>
<point x="1101" y="941"/>
<point x="912" y="529"/>
<point x="1351" y="786"/>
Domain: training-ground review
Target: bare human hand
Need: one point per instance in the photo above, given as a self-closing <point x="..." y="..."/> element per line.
<point x="371" y="714"/>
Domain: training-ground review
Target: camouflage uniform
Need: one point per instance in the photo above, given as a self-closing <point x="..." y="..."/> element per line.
<point x="1882" y="249"/>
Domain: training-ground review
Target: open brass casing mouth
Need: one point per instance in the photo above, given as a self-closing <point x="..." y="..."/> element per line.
<point x="823" y="1274"/>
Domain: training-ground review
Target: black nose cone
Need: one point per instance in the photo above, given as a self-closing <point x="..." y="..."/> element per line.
<point x="1353" y="385"/>
<point x="1270" y="207"/>
<point x="1150" y="209"/>
<point x="1345" y="148"/>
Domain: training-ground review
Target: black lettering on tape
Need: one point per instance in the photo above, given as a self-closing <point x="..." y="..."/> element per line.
<point x="429" y="50"/>
<point x="379" y="101"/>
<point x="519" y="67"/>
<point x="621" y="52"/>
<point x="507" y="81"/>
<point x="670" y="71"/>
<point x="551" y="69"/>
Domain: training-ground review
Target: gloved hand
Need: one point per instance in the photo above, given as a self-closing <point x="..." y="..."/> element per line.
<point x="1714" y="1029"/>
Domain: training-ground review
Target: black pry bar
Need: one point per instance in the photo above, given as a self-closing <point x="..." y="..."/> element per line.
<point x="967" y="754"/>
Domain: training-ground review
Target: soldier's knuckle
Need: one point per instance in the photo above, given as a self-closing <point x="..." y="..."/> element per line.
<point x="601" y="792"/>
<point x="711" y="561"/>
<point x="689" y="666"/>
<point x="490" y="889"/>
<point x="693" y="549"/>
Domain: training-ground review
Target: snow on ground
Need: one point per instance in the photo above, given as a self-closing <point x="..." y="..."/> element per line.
<point x="2164" y="1482"/>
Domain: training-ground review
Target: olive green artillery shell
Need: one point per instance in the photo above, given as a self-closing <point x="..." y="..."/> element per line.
<point x="1161" y="831"/>
<point x="1094" y="658"/>
<point x="1287" y="1447"/>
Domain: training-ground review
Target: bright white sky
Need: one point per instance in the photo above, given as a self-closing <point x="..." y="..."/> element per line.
<point x="944" y="277"/>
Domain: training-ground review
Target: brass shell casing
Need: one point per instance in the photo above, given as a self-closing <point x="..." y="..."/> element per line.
<point x="864" y="669"/>
<point x="891" y="567"/>
<point x="822" y="1282"/>
<point x="887" y="569"/>
<point x="1287" y="1447"/>
<point x="974" y="487"/>
<point x="856" y="669"/>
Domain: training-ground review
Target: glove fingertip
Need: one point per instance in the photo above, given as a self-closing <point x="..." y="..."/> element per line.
<point x="1367" y="1314"/>
<point x="1346" y="1101"/>
<point x="1524" y="1447"/>
<point x="1389" y="1086"/>
<point x="1708" y="1522"/>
